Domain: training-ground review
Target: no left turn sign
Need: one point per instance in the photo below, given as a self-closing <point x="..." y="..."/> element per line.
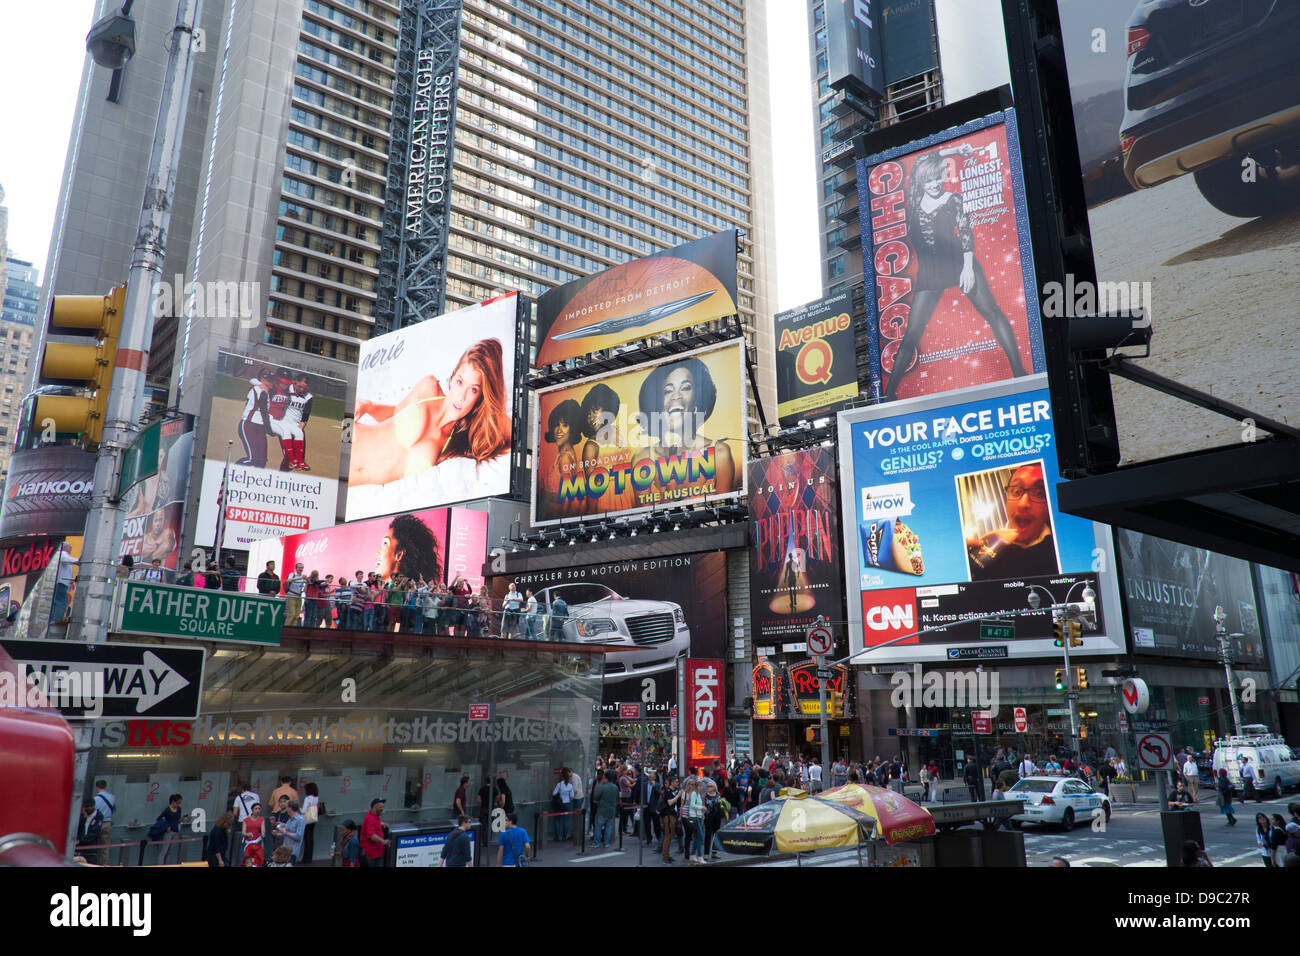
<point x="819" y="640"/>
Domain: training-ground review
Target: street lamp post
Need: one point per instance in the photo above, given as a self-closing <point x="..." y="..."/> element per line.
<point x="1061" y="613"/>
<point x="1225" y="656"/>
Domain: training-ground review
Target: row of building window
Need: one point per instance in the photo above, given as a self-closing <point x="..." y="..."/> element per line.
<point x="345" y="64"/>
<point x="720" y="100"/>
<point x="683" y="35"/>
<point x="547" y="98"/>
<point x="345" y="86"/>
<point x="345" y="41"/>
<point x="340" y="108"/>
<point x="349" y="22"/>
<point x="376" y="11"/>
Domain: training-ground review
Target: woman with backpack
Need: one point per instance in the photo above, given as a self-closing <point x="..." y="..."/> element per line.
<point x="693" y="820"/>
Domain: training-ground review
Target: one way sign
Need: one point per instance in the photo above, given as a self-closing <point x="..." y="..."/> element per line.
<point x="114" y="680"/>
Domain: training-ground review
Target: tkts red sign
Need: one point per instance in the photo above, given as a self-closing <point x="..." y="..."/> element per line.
<point x="706" y="734"/>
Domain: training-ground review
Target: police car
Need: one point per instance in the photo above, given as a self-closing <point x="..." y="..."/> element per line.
<point x="1057" y="800"/>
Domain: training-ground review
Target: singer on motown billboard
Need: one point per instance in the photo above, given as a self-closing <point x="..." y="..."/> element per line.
<point x="650" y="438"/>
<point x="945" y="243"/>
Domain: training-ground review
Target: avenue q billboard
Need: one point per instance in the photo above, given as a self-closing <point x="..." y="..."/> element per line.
<point x="950" y="512"/>
<point x="816" y="362"/>
<point x="645" y="439"/>
<point x="687" y="285"/>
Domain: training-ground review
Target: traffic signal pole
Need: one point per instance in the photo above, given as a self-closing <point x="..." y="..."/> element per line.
<point x="1071" y="690"/>
<point x="93" y="603"/>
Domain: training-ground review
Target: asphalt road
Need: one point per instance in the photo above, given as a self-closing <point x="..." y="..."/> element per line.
<point x="1132" y="838"/>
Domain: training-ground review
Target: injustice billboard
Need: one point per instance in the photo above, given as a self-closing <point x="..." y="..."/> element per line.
<point x="795" y="570"/>
<point x="1186" y="122"/>
<point x="946" y="253"/>
<point x="816" y="360"/>
<point x="255" y="403"/>
<point x="687" y="285"/>
<point x="950" y="512"/>
<point x="660" y="609"/>
<point x="635" y="440"/>
<point x="1171" y="591"/>
<point x="435" y="411"/>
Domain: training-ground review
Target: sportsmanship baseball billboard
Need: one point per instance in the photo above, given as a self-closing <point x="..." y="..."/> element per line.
<point x="435" y="412"/>
<point x="816" y="362"/>
<point x="946" y="249"/>
<point x="436" y="544"/>
<point x="1171" y="591"/>
<point x="794" y="544"/>
<point x="680" y="287"/>
<point x="660" y="608"/>
<point x="649" y="438"/>
<point x="950" y="512"/>
<point x="155" y="501"/>
<point x="286" y="425"/>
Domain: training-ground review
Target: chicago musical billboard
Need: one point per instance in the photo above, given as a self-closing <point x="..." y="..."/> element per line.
<point x="946" y="251"/>
<point x="950" y="512"/>
<point x="679" y="287"/>
<point x="648" y="438"/>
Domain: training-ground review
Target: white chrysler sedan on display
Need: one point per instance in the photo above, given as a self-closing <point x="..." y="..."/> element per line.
<point x="1063" y="801"/>
<point x="598" y="615"/>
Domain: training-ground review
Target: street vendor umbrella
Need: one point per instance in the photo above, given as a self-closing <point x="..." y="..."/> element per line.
<point x="794" y="822"/>
<point x="897" y="818"/>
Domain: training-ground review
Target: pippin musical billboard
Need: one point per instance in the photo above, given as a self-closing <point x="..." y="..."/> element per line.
<point x="951" y="520"/>
<point x="651" y="438"/>
<point x="946" y="257"/>
<point x="816" y="363"/>
<point x="687" y="285"/>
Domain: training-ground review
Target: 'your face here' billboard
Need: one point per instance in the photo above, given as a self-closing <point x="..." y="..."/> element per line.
<point x="950" y="514"/>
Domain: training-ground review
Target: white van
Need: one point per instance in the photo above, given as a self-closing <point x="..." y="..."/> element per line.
<point x="1277" y="766"/>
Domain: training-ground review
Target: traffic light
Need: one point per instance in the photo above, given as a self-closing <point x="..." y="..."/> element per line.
<point x="89" y="366"/>
<point x="1075" y="631"/>
<point x="1058" y="628"/>
<point x="1083" y="678"/>
<point x="1060" y="678"/>
<point x="835" y="704"/>
<point x="813" y="735"/>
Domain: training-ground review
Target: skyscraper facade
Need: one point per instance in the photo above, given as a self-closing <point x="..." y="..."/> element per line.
<point x="587" y="132"/>
<point x="913" y="84"/>
<point x="22" y="294"/>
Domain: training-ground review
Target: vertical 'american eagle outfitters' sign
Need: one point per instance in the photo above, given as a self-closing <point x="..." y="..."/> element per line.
<point x="431" y="130"/>
<point x="412" y="281"/>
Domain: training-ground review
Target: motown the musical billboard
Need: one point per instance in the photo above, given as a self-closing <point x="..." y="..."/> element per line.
<point x="650" y="438"/>
<point x="680" y="287"/>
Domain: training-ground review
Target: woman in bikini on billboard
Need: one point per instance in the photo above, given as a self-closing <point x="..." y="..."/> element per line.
<point x="431" y="425"/>
<point x="945" y="254"/>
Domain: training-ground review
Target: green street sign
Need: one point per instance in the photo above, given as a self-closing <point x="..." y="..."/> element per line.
<point x="168" y="610"/>
<point x="997" y="632"/>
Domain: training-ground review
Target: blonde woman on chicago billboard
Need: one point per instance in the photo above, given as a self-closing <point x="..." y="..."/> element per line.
<point x="431" y="425"/>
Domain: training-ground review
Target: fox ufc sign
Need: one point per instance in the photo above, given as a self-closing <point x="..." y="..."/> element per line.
<point x="706" y="736"/>
<point x="887" y="615"/>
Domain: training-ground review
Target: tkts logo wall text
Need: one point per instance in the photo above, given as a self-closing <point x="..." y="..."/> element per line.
<point x="705" y="733"/>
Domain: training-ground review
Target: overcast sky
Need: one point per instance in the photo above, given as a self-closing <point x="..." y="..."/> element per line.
<point x="42" y="47"/>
